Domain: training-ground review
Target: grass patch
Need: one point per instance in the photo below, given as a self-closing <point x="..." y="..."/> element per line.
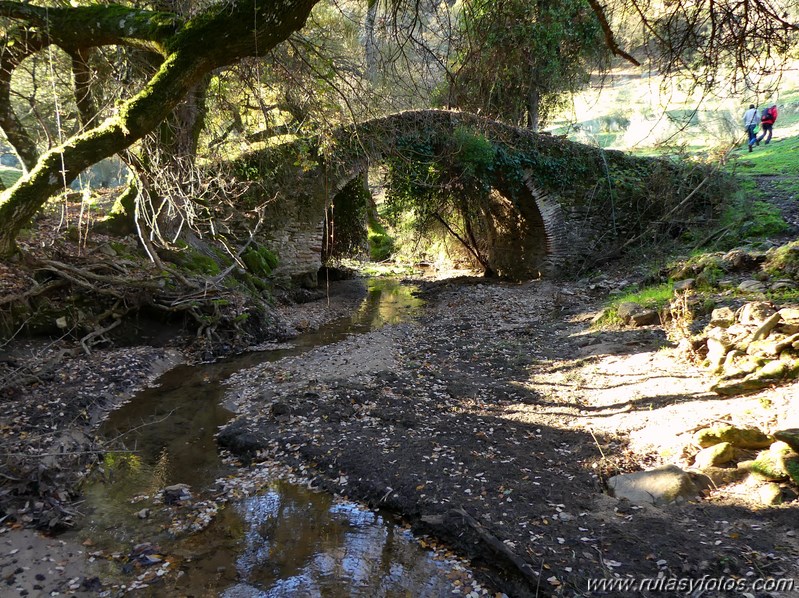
<point x="381" y="245"/>
<point x="654" y="297"/>
<point x="750" y="220"/>
<point x="9" y="176"/>
<point x="649" y="297"/>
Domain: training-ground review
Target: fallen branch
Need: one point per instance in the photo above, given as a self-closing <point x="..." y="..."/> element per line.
<point x="487" y="538"/>
<point x="84" y="342"/>
<point x="37" y="290"/>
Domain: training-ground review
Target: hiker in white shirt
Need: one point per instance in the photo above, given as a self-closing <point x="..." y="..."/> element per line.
<point x="750" y="123"/>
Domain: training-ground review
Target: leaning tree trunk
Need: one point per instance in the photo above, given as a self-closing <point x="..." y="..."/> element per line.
<point x="221" y="35"/>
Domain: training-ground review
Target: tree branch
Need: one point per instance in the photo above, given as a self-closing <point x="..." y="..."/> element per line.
<point x="610" y="39"/>
<point x="90" y="26"/>
<point x="220" y="36"/>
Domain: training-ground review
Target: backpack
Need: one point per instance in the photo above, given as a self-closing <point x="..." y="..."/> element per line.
<point x="769" y="115"/>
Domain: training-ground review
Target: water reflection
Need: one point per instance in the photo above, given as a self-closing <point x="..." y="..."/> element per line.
<point x="301" y="543"/>
<point x="287" y="541"/>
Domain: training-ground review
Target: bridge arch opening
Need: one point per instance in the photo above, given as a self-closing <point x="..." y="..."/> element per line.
<point x="502" y="229"/>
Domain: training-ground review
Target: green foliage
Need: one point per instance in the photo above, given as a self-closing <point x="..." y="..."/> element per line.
<point x="649" y="297"/>
<point x="381" y="245"/>
<point x="654" y="297"/>
<point x="524" y="56"/>
<point x="474" y="153"/>
<point x="784" y="261"/>
<point x="260" y="261"/>
<point x="195" y="261"/>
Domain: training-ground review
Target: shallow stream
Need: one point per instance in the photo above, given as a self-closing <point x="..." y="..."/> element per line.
<point x="287" y="540"/>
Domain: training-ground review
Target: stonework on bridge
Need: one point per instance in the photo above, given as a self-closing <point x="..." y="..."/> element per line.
<point x="554" y="204"/>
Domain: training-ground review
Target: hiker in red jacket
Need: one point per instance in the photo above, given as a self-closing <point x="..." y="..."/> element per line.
<point x="767" y="120"/>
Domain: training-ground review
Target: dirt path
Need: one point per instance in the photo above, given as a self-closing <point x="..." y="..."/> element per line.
<point x="493" y="424"/>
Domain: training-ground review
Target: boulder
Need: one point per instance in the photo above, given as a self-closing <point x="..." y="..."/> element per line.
<point x="783" y="285"/>
<point x="749" y="438"/>
<point x="717" y="352"/>
<point x="241" y="441"/>
<point x="684" y="285"/>
<point x="790" y="314"/>
<point x="764" y="329"/>
<point x="752" y="286"/>
<point x="770" y="465"/>
<point x="662" y="486"/>
<point x="175" y="494"/>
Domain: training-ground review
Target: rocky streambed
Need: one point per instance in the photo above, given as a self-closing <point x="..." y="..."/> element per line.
<point x="493" y="424"/>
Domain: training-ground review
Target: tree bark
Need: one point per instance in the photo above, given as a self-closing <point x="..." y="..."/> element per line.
<point x="369" y="41"/>
<point x="217" y="37"/>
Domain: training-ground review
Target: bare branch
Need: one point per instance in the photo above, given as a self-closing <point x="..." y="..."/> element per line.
<point x="610" y="39"/>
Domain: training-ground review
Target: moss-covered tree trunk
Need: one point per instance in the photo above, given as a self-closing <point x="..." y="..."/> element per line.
<point x="193" y="48"/>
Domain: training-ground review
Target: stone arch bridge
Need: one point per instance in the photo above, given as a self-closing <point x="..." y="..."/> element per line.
<point x="556" y="204"/>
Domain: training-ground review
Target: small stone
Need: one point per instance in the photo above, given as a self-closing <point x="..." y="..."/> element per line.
<point x="715" y="455"/>
<point x="770" y="494"/>
<point x="722" y="317"/>
<point x="143" y="514"/>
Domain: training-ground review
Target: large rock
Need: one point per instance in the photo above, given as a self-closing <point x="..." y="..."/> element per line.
<point x="752" y="286"/>
<point x="661" y="486"/>
<point x="771" y="464"/>
<point x="765" y="328"/>
<point x="749" y="438"/>
<point x="241" y="441"/>
<point x="646" y="317"/>
<point x="770" y="494"/>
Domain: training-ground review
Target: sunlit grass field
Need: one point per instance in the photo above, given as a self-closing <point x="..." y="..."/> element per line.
<point x="644" y="114"/>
